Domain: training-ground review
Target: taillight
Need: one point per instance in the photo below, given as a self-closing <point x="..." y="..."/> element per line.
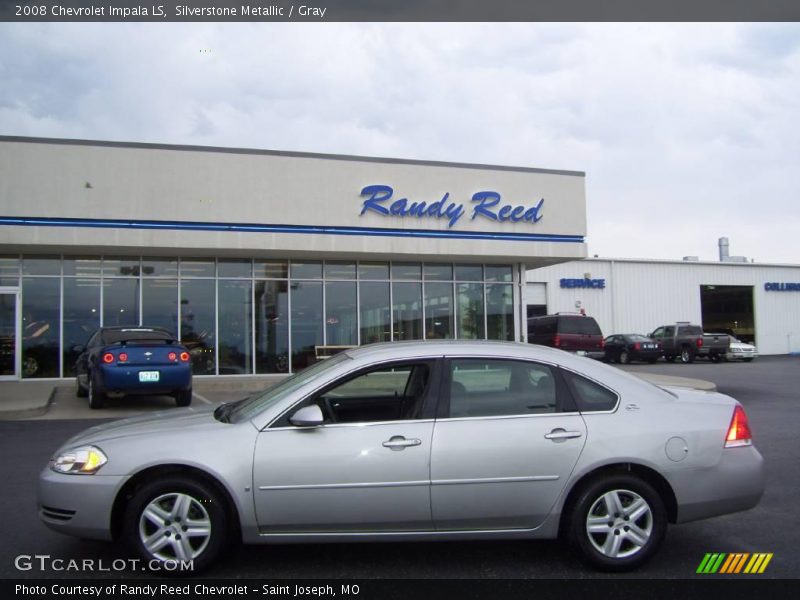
<point x="602" y="343"/>
<point x="172" y="356"/>
<point x="185" y="356"/>
<point x="123" y="357"/>
<point x="699" y="342"/>
<point x="739" y="430"/>
<point x="556" y="340"/>
<point x="637" y="346"/>
<point x="108" y="358"/>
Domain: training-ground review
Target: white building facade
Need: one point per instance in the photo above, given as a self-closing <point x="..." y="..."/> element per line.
<point x="260" y="260"/>
<point x="755" y="301"/>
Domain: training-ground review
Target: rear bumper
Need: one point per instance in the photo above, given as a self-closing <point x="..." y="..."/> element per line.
<point x="646" y="354"/>
<point x="125" y="378"/>
<point x="78" y="505"/>
<point x="734" y="484"/>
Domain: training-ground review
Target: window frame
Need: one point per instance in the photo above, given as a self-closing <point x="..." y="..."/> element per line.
<point x="575" y="395"/>
<point x="429" y="401"/>
<point x="565" y="403"/>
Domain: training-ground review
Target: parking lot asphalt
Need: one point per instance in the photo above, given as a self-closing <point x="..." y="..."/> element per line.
<point x="767" y="388"/>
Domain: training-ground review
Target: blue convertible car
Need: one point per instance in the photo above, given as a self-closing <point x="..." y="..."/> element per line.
<point x="133" y="360"/>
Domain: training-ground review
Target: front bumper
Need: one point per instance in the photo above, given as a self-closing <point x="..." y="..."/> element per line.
<point x="740" y="355"/>
<point x="78" y="505"/>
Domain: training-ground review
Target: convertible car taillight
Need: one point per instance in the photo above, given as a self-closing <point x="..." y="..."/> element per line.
<point x="185" y="356"/>
<point x="108" y="358"/>
<point x="739" y="430"/>
<point x="172" y="356"/>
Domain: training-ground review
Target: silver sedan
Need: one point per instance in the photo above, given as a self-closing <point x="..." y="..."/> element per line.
<point x="415" y="441"/>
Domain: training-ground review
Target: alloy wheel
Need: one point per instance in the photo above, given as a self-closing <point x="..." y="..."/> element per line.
<point x="619" y="523"/>
<point x="175" y="526"/>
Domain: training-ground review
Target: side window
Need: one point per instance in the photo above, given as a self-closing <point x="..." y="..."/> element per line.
<point x="385" y="394"/>
<point x="669" y="331"/>
<point x="590" y="396"/>
<point x="492" y="388"/>
<point x="658" y="332"/>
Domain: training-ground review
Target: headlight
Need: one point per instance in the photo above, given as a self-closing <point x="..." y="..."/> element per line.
<point x="85" y="460"/>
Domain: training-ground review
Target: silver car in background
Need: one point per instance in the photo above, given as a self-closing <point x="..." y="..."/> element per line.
<point x="415" y="441"/>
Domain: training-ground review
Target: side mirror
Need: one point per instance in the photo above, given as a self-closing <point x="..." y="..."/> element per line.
<point x="308" y="416"/>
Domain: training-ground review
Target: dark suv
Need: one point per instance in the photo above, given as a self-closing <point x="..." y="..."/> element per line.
<point x="568" y="331"/>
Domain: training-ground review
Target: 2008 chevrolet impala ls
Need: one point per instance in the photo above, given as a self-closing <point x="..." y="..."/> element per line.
<point x="415" y="441"/>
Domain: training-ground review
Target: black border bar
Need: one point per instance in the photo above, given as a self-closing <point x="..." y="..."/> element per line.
<point x="399" y="10"/>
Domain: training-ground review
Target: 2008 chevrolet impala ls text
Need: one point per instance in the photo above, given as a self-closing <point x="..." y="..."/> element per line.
<point x="415" y="441"/>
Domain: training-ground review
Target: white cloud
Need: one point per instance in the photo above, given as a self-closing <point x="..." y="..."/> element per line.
<point x="686" y="132"/>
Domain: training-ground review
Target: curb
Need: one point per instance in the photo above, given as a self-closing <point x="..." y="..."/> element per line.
<point x="25" y="413"/>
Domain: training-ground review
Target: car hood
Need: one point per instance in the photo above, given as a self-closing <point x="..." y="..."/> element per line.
<point x="157" y="422"/>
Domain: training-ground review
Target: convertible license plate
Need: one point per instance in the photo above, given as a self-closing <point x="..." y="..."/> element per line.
<point x="148" y="375"/>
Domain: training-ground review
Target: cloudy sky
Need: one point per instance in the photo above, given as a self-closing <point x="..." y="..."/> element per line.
<point x="686" y="132"/>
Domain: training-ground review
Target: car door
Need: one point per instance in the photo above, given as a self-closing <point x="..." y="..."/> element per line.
<point x="504" y="444"/>
<point x="367" y="468"/>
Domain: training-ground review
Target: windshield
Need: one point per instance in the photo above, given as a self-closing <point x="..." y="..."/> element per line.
<point x="257" y="403"/>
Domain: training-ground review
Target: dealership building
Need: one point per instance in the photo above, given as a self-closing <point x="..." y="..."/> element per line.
<point x="262" y="262"/>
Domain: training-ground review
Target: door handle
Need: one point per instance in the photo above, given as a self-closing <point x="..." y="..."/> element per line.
<point x="562" y="434"/>
<point x="398" y="442"/>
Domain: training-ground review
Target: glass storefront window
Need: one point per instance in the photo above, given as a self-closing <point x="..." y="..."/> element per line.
<point x="197" y="267"/>
<point x="500" y="311"/>
<point x="82" y="266"/>
<point x="40" y="327"/>
<point x="373" y="270"/>
<point x="437" y="272"/>
<point x="404" y="270"/>
<point x="121" y="266"/>
<point x="8" y="335"/>
<point x="235" y="327"/>
<point x="438" y="311"/>
<point x="340" y="313"/>
<point x="241" y="269"/>
<point x="375" y="312"/>
<point x="335" y="269"/>
<point x="470" y="312"/>
<point x="272" y="326"/>
<point x="81" y="317"/>
<point x="271" y="269"/>
<point x="469" y="272"/>
<point x="159" y="267"/>
<point x="41" y="265"/>
<point x="306" y="323"/>
<point x="120" y="302"/>
<point x="198" y="323"/>
<point x="160" y="304"/>
<point x="9" y="271"/>
<point x="306" y="270"/>
<point x="407" y="311"/>
<point x="499" y="273"/>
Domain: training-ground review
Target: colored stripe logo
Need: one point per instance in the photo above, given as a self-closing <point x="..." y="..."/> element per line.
<point x="734" y="563"/>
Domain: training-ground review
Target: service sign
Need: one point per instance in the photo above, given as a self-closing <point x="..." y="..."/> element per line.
<point x="381" y="199"/>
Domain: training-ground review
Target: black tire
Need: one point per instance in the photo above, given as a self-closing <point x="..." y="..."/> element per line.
<point x="715" y="357"/>
<point x="204" y="505"/>
<point x="669" y="358"/>
<point x="96" y="399"/>
<point x="81" y="392"/>
<point x="687" y="355"/>
<point x="183" y="397"/>
<point x="624" y="357"/>
<point x="651" y="526"/>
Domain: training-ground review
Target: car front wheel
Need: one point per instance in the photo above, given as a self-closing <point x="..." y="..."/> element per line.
<point x="178" y="519"/>
<point x="617" y="523"/>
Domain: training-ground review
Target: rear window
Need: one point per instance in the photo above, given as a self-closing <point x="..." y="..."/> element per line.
<point x="582" y="325"/>
<point x="129" y="335"/>
<point x="638" y="338"/>
<point x="690" y="330"/>
<point x="542" y="326"/>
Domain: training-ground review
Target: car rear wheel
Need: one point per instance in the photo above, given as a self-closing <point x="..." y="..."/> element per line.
<point x="81" y="392"/>
<point x="97" y="399"/>
<point x="687" y="356"/>
<point x="617" y="523"/>
<point x="178" y="519"/>
<point x="183" y="397"/>
<point x="624" y="357"/>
